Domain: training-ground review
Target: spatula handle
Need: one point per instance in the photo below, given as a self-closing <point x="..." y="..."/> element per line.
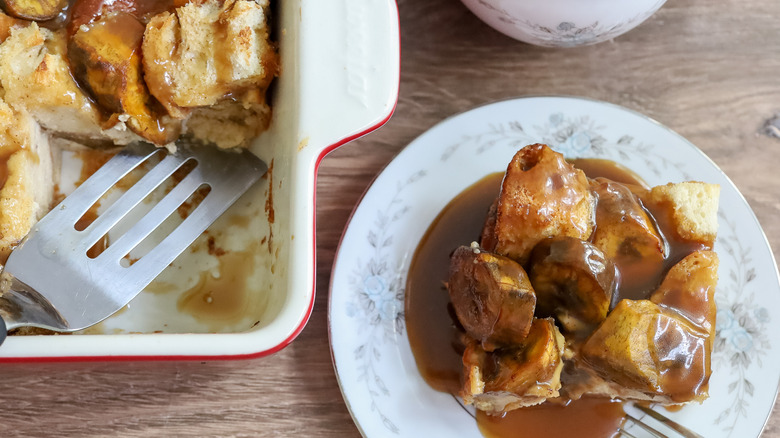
<point x="3" y="330"/>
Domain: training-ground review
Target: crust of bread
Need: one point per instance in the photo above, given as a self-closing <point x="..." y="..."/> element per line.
<point x="228" y="124"/>
<point x="542" y="196"/>
<point x="694" y="208"/>
<point x="207" y="50"/>
<point x="204" y="52"/>
<point x="28" y="190"/>
<point x="515" y="383"/>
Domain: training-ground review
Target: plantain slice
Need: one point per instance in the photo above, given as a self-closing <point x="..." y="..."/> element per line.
<point x="574" y="282"/>
<point x="492" y="297"/>
<point x="37" y="10"/>
<point x="105" y="58"/>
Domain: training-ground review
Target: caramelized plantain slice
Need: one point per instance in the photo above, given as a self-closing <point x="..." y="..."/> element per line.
<point x="574" y="281"/>
<point x="86" y="11"/>
<point x="627" y="235"/>
<point x="524" y="375"/>
<point x="105" y="57"/>
<point x="492" y="297"/>
<point x="36" y="10"/>
<point x="542" y="196"/>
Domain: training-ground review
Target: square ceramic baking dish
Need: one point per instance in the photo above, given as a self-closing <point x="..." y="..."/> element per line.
<point x="246" y="287"/>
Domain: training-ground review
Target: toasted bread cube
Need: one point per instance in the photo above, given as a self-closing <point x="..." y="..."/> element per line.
<point x="212" y="61"/>
<point x="694" y="209"/>
<point x="689" y="289"/>
<point x="35" y="75"/>
<point x="507" y="379"/>
<point x="38" y="78"/>
<point x="651" y="349"/>
<point x="542" y="196"/>
<point x="228" y="124"/>
<point x="27" y="177"/>
<point x="492" y="297"/>
<point x="205" y="51"/>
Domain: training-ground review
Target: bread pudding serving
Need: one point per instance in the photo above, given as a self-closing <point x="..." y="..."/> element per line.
<point x="103" y="73"/>
<point x="586" y="287"/>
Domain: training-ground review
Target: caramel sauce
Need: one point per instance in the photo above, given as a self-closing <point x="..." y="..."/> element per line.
<point x="597" y="167"/>
<point x="677" y="248"/>
<point x="435" y="334"/>
<point x="6" y="151"/>
<point x="685" y="352"/>
<point x="61" y="20"/>
<point x="87" y="11"/>
<point x="238" y="220"/>
<point x="673" y="408"/>
<point x="91" y="161"/>
<point x="161" y="288"/>
<point x="584" y="418"/>
<point x="222" y="64"/>
<point x="221" y="300"/>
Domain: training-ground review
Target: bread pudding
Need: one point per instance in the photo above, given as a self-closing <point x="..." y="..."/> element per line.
<point x="586" y="287"/>
<point x="102" y="74"/>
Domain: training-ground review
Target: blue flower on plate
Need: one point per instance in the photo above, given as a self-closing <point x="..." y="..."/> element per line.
<point x="556" y="119"/>
<point x="579" y="142"/>
<point x="740" y="339"/>
<point x="378" y="291"/>
<point x="374" y="286"/>
<point x="724" y="319"/>
<point x="566" y="26"/>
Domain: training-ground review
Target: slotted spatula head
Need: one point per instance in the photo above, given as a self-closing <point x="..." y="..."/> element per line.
<point x="49" y="281"/>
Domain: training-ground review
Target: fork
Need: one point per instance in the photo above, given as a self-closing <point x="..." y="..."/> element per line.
<point x="679" y="429"/>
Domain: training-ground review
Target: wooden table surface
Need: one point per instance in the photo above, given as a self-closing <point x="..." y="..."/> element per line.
<point x="709" y="69"/>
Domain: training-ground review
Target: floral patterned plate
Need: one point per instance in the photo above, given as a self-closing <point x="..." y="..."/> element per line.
<point x="376" y="370"/>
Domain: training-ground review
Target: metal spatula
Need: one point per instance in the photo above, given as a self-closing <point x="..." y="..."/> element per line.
<point x="50" y="282"/>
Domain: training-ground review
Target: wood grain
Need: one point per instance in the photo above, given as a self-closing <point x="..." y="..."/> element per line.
<point x="706" y="68"/>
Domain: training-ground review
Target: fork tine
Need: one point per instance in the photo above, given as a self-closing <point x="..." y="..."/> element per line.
<point x="677" y="427"/>
<point x="653" y="431"/>
<point x="149" y="222"/>
<point x="625" y="434"/>
<point x="73" y="207"/>
<point x="156" y="176"/>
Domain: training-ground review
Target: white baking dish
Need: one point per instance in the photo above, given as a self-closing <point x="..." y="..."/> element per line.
<point x="340" y="74"/>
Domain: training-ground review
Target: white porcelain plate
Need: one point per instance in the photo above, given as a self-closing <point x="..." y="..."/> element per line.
<point x="377" y="373"/>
